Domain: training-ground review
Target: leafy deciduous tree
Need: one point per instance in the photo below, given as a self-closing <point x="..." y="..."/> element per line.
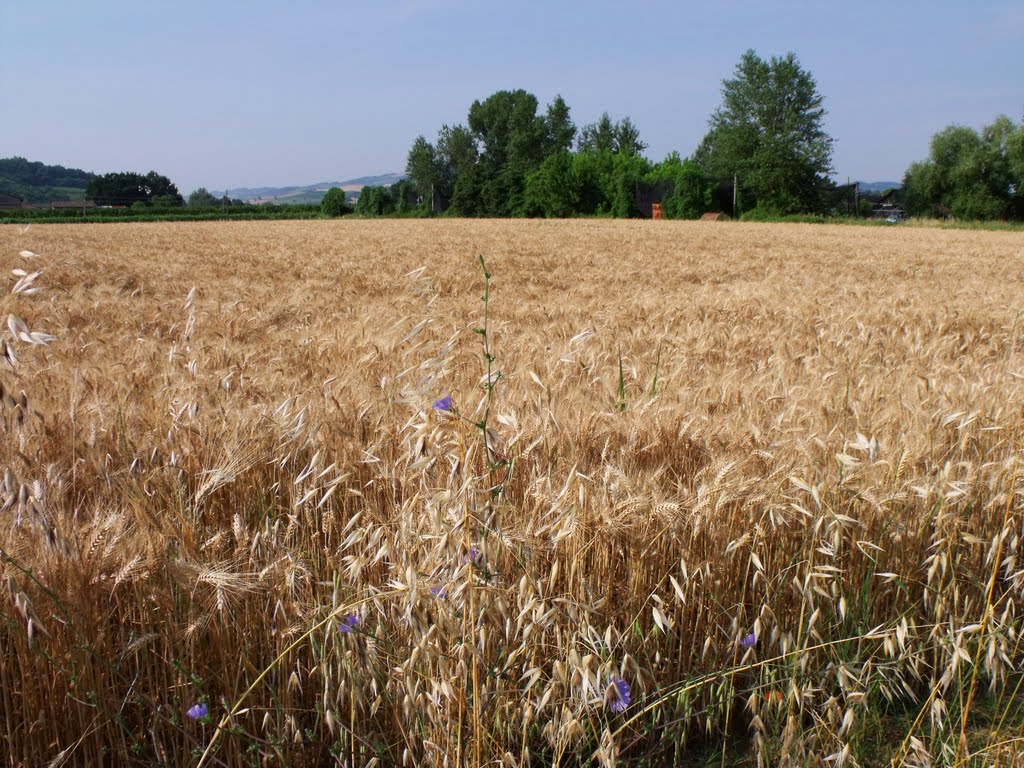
<point x="333" y="202"/>
<point x="422" y="167"/>
<point x="969" y="174"/>
<point x="458" y="156"/>
<point x="374" y="201"/>
<point x="202" y="198"/>
<point x="510" y="135"/>
<point x="559" y="128"/>
<point x="552" y="191"/>
<point x="769" y="131"/>
<point x="131" y="188"/>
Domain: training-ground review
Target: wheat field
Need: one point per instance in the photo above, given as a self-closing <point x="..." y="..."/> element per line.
<point x="697" y="485"/>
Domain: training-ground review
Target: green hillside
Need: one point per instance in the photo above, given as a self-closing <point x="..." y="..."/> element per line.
<point x="37" y="182"/>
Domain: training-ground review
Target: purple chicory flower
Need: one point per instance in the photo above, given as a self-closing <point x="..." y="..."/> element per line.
<point x="348" y="624"/>
<point x="444" y="404"/>
<point x="748" y="641"/>
<point x="620" y="695"/>
<point x="438" y="592"/>
<point x="197" y="711"/>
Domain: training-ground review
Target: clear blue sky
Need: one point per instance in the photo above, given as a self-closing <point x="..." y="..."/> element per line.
<point x="226" y="93"/>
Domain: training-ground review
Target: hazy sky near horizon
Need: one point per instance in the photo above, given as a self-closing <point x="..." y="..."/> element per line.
<point x="226" y="93"/>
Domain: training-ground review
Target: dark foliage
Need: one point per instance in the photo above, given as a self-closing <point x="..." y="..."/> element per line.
<point x="125" y="189"/>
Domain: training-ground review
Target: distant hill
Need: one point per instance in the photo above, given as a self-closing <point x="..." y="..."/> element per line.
<point x="385" y="180"/>
<point x="36" y="182"/>
<point x="310" y="193"/>
<point x="879" y="186"/>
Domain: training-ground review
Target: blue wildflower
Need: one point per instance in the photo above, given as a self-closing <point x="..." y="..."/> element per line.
<point x="438" y="592"/>
<point x="348" y="624"/>
<point x="621" y="695"/>
<point x="197" y="711"/>
<point x="444" y="404"/>
<point x="749" y="641"/>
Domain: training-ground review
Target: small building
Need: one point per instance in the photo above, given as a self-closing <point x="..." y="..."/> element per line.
<point x="890" y="212"/>
<point x="9" y="202"/>
<point x="73" y="204"/>
<point x="715" y="216"/>
<point x="62" y="205"/>
<point x="888" y="208"/>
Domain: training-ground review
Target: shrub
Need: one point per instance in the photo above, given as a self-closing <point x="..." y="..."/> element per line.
<point x="333" y="203"/>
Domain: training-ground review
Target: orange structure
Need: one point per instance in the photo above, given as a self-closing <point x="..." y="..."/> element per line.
<point x="656" y="210"/>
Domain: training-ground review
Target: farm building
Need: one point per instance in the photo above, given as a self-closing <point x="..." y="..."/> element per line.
<point x="9" y="202"/>
<point x="888" y="207"/>
<point x="63" y="204"/>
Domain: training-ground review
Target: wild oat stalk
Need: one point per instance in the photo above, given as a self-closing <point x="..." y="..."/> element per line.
<point x="654" y="379"/>
<point x="491" y="378"/>
<point x="622" y="385"/>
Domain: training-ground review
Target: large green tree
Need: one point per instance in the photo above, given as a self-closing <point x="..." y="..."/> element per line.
<point x="512" y="138"/>
<point x="558" y="127"/>
<point x="202" y="198"/>
<point x="374" y="201"/>
<point x="130" y="188"/>
<point x="331" y="204"/>
<point x="423" y="168"/>
<point x="968" y="174"/>
<point x="446" y="173"/>
<point x="769" y="131"/>
<point x="553" y="190"/>
<point x="458" y="161"/>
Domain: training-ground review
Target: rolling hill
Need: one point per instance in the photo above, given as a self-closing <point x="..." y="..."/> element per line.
<point x="879" y="186"/>
<point x="36" y="182"/>
<point x="309" y="193"/>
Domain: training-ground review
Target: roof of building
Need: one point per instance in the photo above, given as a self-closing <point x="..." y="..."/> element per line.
<point x="70" y="204"/>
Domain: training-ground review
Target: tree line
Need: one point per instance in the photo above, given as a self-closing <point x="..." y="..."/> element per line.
<point x="38" y="182"/>
<point x="134" y="189"/>
<point x="36" y="174"/>
<point x="766" y="154"/>
<point x="511" y="159"/>
<point x="970" y="175"/>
